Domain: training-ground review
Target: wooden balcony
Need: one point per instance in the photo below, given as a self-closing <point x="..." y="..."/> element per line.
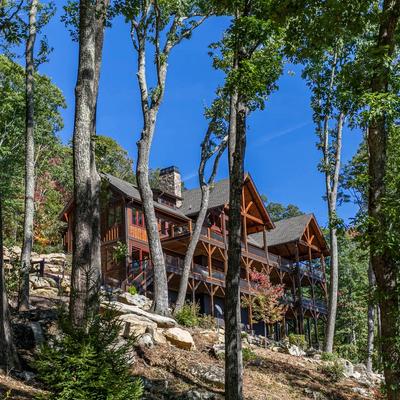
<point x="137" y="232"/>
<point x="112" y="233"/>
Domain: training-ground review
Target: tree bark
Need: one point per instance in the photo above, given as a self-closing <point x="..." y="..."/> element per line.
<point x="332" y="184"/>
<point x="233" y="343"/>
<point x="206" y="154"/>
<point x="160" y="300"/>
<point x="371" y="319"/>
<point x="8" y="353"/>
<point x="86" y="271"/>
<point x="23" y="303"/>
<point x="384" y="264"/>
<point x="205" y="196"/>
<point x="101" y="14"/>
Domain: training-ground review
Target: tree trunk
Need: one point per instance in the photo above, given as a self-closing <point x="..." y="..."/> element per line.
<point x="233" y="343"/>
<point x="371" y="319"/>
<point x="160" y="301"/>
<point x="8" y="354"/>
<point x="205" y="195"/>
<point x="29" y="160"/>
<point x="333" y="289"/>
<point x="205" y="186"/>
<point x="101" y="13"/>
<point x="384" y="264"/>
<point x="332" y="184"/>
<point x="85" y="266"/>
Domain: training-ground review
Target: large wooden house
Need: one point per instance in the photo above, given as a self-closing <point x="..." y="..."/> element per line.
<point x="292" y="251"/>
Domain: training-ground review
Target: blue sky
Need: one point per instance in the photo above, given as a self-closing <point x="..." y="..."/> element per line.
<point x="281" y="153"/>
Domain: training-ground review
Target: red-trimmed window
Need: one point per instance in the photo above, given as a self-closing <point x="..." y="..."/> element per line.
<point x="137" y="217"/>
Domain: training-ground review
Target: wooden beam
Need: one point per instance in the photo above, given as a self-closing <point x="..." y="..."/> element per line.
<point x="254" y="219"/>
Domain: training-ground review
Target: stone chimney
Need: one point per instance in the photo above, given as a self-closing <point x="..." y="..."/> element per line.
<point x="171" y="182"/>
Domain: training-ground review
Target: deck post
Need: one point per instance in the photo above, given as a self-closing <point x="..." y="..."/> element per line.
<point x="299" y="291"/>
<point x="316" y="330"/>
<point x="309" y="332"/>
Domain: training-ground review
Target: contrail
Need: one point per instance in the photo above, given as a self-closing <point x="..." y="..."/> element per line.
<point x="266" y="139"/>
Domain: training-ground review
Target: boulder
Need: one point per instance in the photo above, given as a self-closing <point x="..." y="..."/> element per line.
<point x="65" y="285"/>
<point x="15" y="252"/>
<point x="39" y="282"/>
<point x="54" y="258"/>
<point x="210" y="374"/>
<point x="348" y="367"/>
<point x="295" y="351"/>
<point x="198" y="395"/>
<point x="219" y="350"/>
<point x="361" y="368"/>
<point x="45" y="292"/>
<point x="157" y="335"/>
<point x="135" y="300"/>
<point x="361" y="391"/>
<point x="145" y="341"/>
<point x="135" y="324"/>
<point x="207" y="335"/>
<point x="180" y="338"/>
<point x="37" y="332"/>
<point x="121" y="308"/>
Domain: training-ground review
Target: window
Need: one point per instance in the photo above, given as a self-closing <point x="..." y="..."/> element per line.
<point x="118" y="215"/>
<point x="137" y="217"/>
<point x="114" y="215"/>
<point x="111" y="216"/>
<point x="163" y="226"/>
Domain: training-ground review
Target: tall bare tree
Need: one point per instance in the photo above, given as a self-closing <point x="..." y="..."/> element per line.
<point x="8" y="354"/>
<point x="217" y="131"/>
<point x="86" y="265"/>
<point x="29" y="159"/>
<point x="151" y="22"/>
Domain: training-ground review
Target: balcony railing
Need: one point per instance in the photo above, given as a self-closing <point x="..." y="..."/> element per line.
<point x="315" y="273"/>
<point x="283" y="264"/>
<point x="317" y="305"/>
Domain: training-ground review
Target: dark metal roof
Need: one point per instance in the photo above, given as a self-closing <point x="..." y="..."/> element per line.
<point x="219" y="196"/>
<point x="132" y="192"/>
<point x="286" y="230"/>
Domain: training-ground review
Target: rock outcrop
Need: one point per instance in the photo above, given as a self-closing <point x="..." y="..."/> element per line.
<point x="180" y="338"/>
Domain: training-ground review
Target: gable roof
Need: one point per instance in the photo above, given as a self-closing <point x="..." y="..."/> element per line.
<point x="219" y="196"/>
<point x="131" y="191"/>
<point x="286" y="231"/>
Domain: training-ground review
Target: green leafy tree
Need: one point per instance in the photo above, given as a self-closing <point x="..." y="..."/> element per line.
<point x="112" y="159"/>
<point x="278" y="211"/>
<point x="250" y="56"/>
<point x="353" y="299"/>
<point x="48" y="102"/>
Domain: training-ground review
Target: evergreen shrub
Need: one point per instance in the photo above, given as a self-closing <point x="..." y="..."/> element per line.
<point x="89" y="365"/>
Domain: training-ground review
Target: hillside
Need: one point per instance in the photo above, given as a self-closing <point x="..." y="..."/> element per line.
<point x="176" y="362"/>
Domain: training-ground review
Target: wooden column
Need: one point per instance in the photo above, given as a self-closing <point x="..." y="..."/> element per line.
<point x="212" y="299"/>
<point x="324" y="272"/>
<point x="309" y="332"/>
<point x="316" y="331"/>
<point x="224" y="232"/>
<point x="209" y="254"/>
<point x="265" y="244"/>
<point x="299" y="292"/>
